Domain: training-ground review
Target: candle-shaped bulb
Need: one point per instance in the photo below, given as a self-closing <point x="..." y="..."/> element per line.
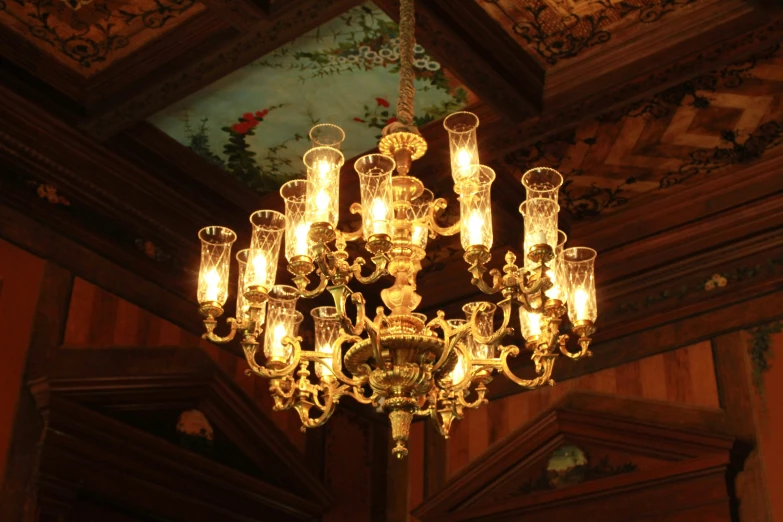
<point x="555" y="292"/>
<point x="475" y="224"/>
<point x="534" y="320"/>
<point x="580" y="303"/>
<point x="301" y="239"/>
<point x="324" y="167"/>
<point x="212" y="279"/>
<point x="464" y="158"/>
<point x="378" y="213"/>
<point x="322" y="206"/>
<point x="259" y="270"/>
<point x="277" y="343"/>
<point x="458" y="373"/>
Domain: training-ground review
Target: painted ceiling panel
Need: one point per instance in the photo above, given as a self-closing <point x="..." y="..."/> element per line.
<point x="254" y="123"/>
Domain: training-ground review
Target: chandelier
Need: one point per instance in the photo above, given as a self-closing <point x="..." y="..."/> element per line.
<point x="399" y="361"/>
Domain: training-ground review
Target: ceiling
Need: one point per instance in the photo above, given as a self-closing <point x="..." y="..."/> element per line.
<point x="152" y="118"/>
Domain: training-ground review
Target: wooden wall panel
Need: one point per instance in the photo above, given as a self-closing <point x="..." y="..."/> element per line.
<point x="416" y="465"/>
<point x="685" y="376"/>
<point x="97" y="318"/>
<point x="20" y="280"/>
<point x="770" y="426"/>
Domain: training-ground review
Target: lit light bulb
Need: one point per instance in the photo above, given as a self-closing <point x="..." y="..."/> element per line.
<point x="554" y="292"/>
<point x="212" y="280"/>
<point x="580" y="303"/>
<point x="458" y="373"/>
<point x="378" y="214"/>
<point x="259" y="271"/>
<point x="301" y="247"/>
<point x="475" y="224"/>
<point x="534" y="322"/>
<point x="322" y="201"/>
<point x="419" y="236"/>
<point x="327" y="362"/>
<point x="464" y="158"/>
<point x="277" y="350"/>
<point x="324" y="167"/>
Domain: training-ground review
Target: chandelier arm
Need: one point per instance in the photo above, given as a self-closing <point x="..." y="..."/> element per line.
<point x="250" y="347"/>
<point x="436" y="207"/>
<point x="374" y="333"/>
<point x="481" y="391"/>
<point x="355" y="393"/>
<point x="356" y="208"/>
<point x="337" y="362"/>
<point x="544" y="362"/>
<point x="302" y="282"/>
<point x="584" y="331"/>
<point x="477" y="270"/>
<point x="327" y="409"/>
<point x="283" y="400"/>
<point x="497" y="335"/>
<point x="210" y="323"/>
<point x="451" y="336"/>
<point x="466" y="381"/>
<point x="381" y="261"/>
<point x="340" y="295"/>
<point x="539" y="280"/>
<point x="407" y="90"/>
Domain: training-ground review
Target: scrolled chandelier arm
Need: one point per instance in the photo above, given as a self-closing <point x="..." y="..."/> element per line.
<point x="398" y="360"/>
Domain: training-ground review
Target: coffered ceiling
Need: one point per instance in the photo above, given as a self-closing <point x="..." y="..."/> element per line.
<point x="664" y="116"/>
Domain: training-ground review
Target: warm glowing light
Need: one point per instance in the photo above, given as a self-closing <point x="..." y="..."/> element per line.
<point x="276" y="350"/>
<point x="301" y="248"/>
<point x="475" y="224"/>
<point x="555" y="291"/>
<point x="534" y="322"/>
<point x="326" y="348"/>
<point x="324" y="167"/>
<point x="378" y="213"/>
<point x="580" y="303"/>
<point x="458" y="373"/>
<point x="464" y="158"/>
<point x="212" y="279"/>
<point x="259" y="270"/>
<point x="322" y="201"/>
<point x="419" y="236"/>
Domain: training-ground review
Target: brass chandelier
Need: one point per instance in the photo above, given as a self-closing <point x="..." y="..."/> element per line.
<point x="399" y="360"/>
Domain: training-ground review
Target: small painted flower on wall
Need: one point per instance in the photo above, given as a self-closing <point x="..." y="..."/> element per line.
<point x="716" y="281"/>
<point x="196" y="433"/>
<point x="49" y="193"/>
<point x="152" y="251"/>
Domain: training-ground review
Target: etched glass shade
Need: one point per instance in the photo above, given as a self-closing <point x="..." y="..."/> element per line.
<point x="463" y="144"/>
<point x="282" y="319"/>
<point x="542" y="182"/>
<point x="242" y="304"/>
<point x="375" y="171"/>
<point x="213" y="274"/>
<point x="530" y="325"/>
<point x="323" y="193"/>
<point x="297" y="243"/>
<point x="578" y="269"/>
<point x="485" y="320"/>
<point x="261" y="269"/>
<point x="476" y="208"/>
<point x="327" y="135"/>
<point x="540" y="224"/>
<point x="420" y="208"/>
<point x="457" y="375"/>
<point x="327" y="330"/>
<point x="555" y="274"/>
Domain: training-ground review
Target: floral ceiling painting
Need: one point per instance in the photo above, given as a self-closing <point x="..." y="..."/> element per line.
<point x="254" y="123"/>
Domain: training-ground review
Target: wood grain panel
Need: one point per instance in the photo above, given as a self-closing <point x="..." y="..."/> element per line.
<point x="770" y="426"/>
<point x="685" y="376"/>
<point x="98" y="318"/>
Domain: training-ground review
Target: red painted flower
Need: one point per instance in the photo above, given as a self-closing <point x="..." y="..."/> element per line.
<point x="242" y="128"/>
<point x="391" y="120"/>
<point x="382" y="102"/>
<point x="248" y="116"/>
<point x="359" y="120"/>
<point x="262" y="114"/>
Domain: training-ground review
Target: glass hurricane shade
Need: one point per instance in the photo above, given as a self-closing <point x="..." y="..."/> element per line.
<point x="282" y="319"/>
<point x="540" y="217"/>
<point x="375" y="172"/>
<point x="463" y="144"/>
<point x="327" y="135"/>
<point x="476" y="208"/>
<point x="542" y="182"/>
<point x="242" y="304"/>
<point x="420" y="208"/>
<point x="216" y="243"/>
<point x="323" y="193"/>
<point x="578" y="269"/>
<point x="555" y="274"/>
<point x="457" y="375"/>
<point x="530" y="324"/>
<point x="297" y="242"/>
<point x="327" y="330"/>
<point x="485" y="320"/>
<point x="261" y="269"/>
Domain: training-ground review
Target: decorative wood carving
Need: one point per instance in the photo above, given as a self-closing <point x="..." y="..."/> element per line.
<point x="631" y="466"/>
